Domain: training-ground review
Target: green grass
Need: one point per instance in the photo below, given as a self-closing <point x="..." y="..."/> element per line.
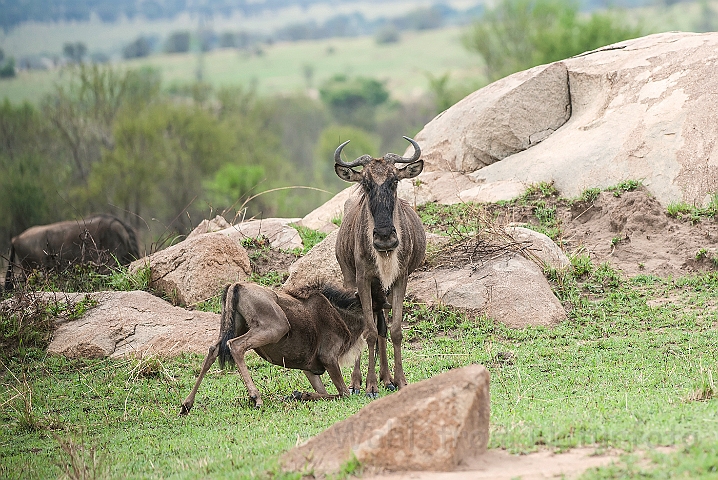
<point x="620" y="372"/>
<point x="633" y="367"/>
<point x="280" y="69"/>
<point x="692" y="213"/>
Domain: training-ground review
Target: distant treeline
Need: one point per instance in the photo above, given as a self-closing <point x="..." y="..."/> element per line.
<point x="112" y="141"/>
<point x="349" y="25"/>
<point x="15" y="12"/>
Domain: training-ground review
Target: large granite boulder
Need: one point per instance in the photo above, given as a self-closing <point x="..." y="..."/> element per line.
<point x="510" y="289"/>
<point x="642" y="109"/>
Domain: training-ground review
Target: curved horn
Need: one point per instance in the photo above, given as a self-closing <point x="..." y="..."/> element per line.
<point x="363" y="160"/>
<point x="397" y="159"/>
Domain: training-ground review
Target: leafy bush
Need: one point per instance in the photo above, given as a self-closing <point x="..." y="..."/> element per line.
<point x="518" y="34"/>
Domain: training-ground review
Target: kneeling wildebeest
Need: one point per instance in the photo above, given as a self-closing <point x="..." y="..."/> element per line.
<point x="315" y="329"/>
<point x="102" y="240"/>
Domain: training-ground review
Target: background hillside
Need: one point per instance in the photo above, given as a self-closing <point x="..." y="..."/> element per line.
<point x="167" y="112"/>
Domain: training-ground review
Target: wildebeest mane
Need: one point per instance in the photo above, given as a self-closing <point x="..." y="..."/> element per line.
<point x="337" y="296"/>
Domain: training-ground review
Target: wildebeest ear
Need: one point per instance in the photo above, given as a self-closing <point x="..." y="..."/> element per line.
<point x="411" y="170"/>
<point x="347" y="174"/>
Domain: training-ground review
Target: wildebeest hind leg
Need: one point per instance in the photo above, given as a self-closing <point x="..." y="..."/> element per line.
<point x="267" y="333"/>
<point x="208" y="361"/>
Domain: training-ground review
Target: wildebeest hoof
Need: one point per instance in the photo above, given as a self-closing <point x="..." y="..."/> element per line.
<point x="390" y="386"/>
<point x="296" y="395"/>
<point x="355" y="391"/>
<point x="372" y="395"/>
<point x="184" y="409"/>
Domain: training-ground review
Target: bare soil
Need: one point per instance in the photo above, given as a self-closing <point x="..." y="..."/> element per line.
<point x="501" y="465"/>
<point x="631" y="231"/>
<point x="634" y="233"/>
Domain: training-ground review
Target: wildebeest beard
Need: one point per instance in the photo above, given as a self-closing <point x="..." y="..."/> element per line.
<point x="382" y="200"/>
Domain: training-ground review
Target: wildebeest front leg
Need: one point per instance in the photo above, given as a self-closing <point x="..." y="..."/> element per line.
<point x="355" y="386"/>
<point x="268" y="332"/>
<point x="316" y="382"/>
<point x="335" y="374"/>
<point x="208" y="361"/>
<point x="371" y="335"/>
<point x="384" y="373"/>
<point x="397" y="302"/>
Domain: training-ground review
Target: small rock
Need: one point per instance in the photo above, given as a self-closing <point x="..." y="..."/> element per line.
<point x="436" y="424"/>
<point x="540" y="246"/>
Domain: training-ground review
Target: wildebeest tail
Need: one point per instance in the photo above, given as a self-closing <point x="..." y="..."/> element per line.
<point x="8" y="276"/>
<point x="230" y="296"/>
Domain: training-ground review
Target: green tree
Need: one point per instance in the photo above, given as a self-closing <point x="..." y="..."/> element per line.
<point x="139" y="48"/>
<point x="75" y="52"/>
<point x="258" y="147"/>
<point x="159" y="162"/>
<point x="30" y="182"/>
<point x="519" y="34"/>
<point x="178" y="42"/>
<point x="354" y="100"/>
<point x="83" y="109"/>
<point x="7" y="68"/>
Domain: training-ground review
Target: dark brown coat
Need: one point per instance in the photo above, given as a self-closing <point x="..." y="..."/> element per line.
<point x="102" y="240"/>
<point x="315" y="329"/>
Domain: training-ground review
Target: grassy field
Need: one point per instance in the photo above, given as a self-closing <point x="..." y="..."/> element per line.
<point x="633" y="368"/>
<point x="281" y="67"/>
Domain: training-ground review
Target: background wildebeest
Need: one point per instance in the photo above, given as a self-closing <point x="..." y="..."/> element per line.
<point x="381" y="239"/>
<point x="102" y="240"/>
<point x="315" y="328"/>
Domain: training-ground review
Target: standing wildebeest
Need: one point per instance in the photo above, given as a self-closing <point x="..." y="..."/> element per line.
<point x="100" y="239"/>
<point x="316" y="328"/>
<point x="381" y="239"/>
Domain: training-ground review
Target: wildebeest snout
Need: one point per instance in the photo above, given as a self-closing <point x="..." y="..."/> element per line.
<point x="385" y="238"/>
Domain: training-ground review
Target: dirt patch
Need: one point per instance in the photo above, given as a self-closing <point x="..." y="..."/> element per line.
<point x="630" y="230"/>
<point x="634" y="233"/>
<point x="498" y="464"/>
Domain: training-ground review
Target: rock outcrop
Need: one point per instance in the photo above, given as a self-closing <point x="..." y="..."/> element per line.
<point x="279" y="232"/>
<point x="436" y="424"/>
<point x="195" y="269"/>
<point x="133" y="323"/>
<point x="510" y="289"/>
<point x="642" y="109"/>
